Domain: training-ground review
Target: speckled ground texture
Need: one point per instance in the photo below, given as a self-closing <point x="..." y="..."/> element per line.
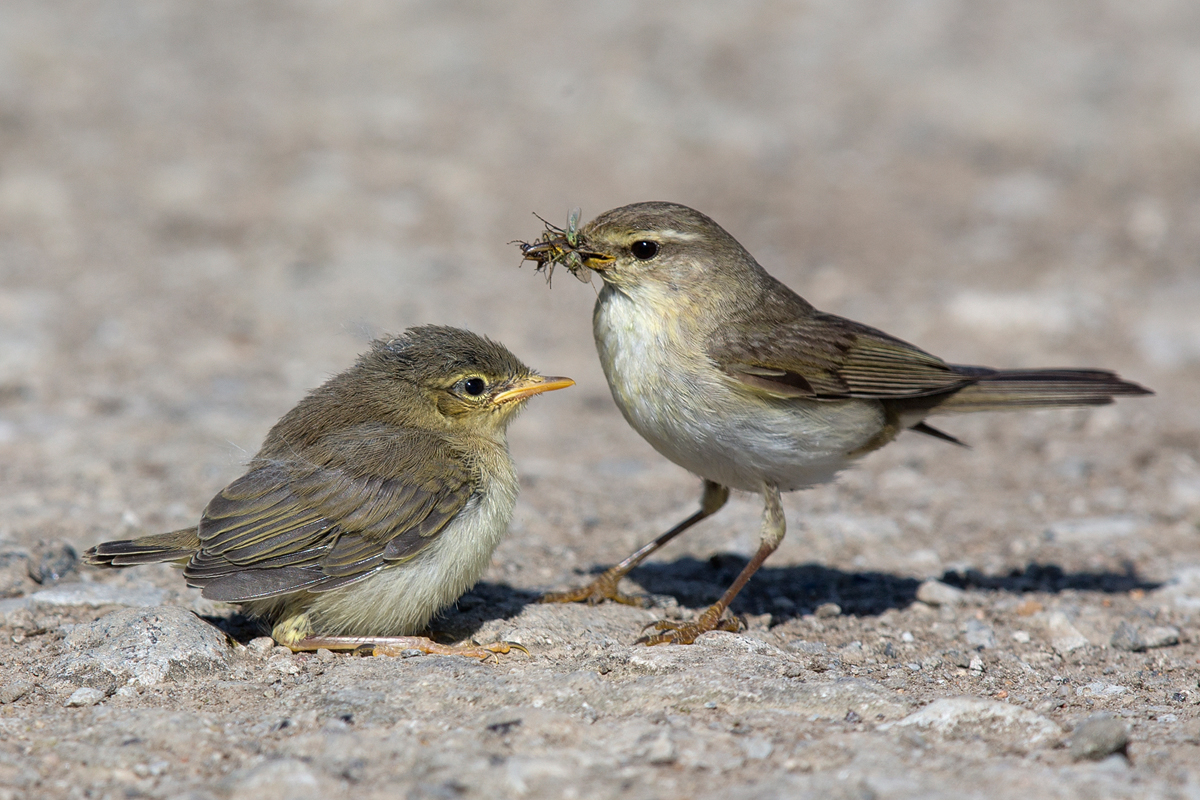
<point x="208" y="208"/>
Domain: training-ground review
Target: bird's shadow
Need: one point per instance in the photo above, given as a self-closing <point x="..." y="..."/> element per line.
<point x="785" y="592"/>
<point x="238" y="626"/>
<point x="482" y="604"/>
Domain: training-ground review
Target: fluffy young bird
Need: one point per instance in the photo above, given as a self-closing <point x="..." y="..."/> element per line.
<point x="373" y="504"/>
<point x="733" y="376"/>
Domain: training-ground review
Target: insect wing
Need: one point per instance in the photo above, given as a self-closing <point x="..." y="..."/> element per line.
<point x="572" y="232"/>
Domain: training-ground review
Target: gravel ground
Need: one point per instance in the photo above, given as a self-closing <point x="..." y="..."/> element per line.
<point x="206" y="209"/>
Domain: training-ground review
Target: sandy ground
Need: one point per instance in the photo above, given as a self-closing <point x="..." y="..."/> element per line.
<point x="206" y="209"/>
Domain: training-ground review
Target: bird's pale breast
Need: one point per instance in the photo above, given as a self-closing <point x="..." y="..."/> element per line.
<point x="400" y="600"/>
<point x="700" y="418"/>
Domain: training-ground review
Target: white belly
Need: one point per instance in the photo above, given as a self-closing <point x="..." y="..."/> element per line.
<point x="693" y="414"/>
<point x="400" y="600"/>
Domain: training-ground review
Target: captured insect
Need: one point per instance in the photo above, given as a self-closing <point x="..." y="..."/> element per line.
<point x="572" y="231"/>
<point x="557" y="245"/>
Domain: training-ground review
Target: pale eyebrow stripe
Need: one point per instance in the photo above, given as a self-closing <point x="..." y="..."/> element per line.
<point x="670" y="235"/>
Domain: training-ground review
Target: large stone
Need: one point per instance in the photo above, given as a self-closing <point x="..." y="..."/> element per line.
<point x="1135" y="639"/>
<point x="142" y="645"/>
<point x="999" y="724"/>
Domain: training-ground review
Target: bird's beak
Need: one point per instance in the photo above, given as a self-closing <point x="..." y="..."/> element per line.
<point x="596" y="261"/>
<point x="528" y="387"/>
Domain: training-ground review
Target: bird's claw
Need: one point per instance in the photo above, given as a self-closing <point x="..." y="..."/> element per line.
<point x="494" y="650"/>
<point x="673" y="632"/>
<point x="599" y="590"/>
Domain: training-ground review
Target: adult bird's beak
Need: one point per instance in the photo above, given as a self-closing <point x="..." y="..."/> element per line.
<point x="528" y="387"/>
<point x="596" y="261"/>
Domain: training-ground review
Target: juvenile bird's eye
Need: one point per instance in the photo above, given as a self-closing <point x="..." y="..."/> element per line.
<point x="644" y="250"/>
<point x="474" y="386"/>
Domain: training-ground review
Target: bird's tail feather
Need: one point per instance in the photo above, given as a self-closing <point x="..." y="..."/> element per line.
<point x="174" y="546"/>
<point x="996" y="390"/>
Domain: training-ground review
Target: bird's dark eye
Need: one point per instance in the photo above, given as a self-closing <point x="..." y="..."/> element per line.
<point x="474" y="386"/>
<point x="644" y="250"/>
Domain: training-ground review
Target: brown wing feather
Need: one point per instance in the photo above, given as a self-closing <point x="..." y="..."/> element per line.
<point x="311" y="524"/>
<point x="786" y="348"/>
<point x="824" y="357"/>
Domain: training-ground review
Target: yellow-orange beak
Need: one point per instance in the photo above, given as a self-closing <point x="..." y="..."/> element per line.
<point x="596" y="261"/>
<point x="535" y="384"/>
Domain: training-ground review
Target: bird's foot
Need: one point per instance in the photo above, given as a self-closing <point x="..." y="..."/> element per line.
<point x="672" y="632"/>
<point x="599" y="590"/>
<point x="402" y="645"/>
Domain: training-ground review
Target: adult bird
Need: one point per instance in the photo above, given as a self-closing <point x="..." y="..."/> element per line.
<point x="736" y="378"/>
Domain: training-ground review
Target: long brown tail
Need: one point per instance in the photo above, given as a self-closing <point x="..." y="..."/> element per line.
<point x="996" y="390"/>
<point x="174" y="546"/>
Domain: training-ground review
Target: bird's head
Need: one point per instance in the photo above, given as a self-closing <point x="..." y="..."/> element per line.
<point x="462" y="381"/>
<point x="654" y="250"/>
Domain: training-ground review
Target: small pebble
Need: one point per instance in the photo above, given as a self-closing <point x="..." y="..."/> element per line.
<point x="84" y="697"/>
<point x="1064" y="636"/>
<point x="284" y="663"/>
<point x="1126" y="637"/>
<point x="661" y="750"/>
<point x="261" y="645"/>
<point x="936" y="593"/>
<point x="958" y="658"/>
<point x="1098" y="737"/>
<point x="1164" y="636"/>
<point x="792" y="670"/>
<point x="853" y="653"/>
<point x="53" y="562"/>
<point x="1161" y="637"/>
<point x="828" y="611"/>
<point x="14" y="691"/>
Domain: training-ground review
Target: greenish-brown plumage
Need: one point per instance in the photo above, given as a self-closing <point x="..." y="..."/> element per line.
<point x="373" y="503"/>
<point x="732" y="375"/>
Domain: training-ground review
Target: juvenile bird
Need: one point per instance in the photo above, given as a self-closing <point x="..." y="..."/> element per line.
<point x="373" y="504"/>
<point x="730" y="374"/>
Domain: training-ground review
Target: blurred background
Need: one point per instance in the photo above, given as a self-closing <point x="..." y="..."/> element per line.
<point x="208" y="208"/>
